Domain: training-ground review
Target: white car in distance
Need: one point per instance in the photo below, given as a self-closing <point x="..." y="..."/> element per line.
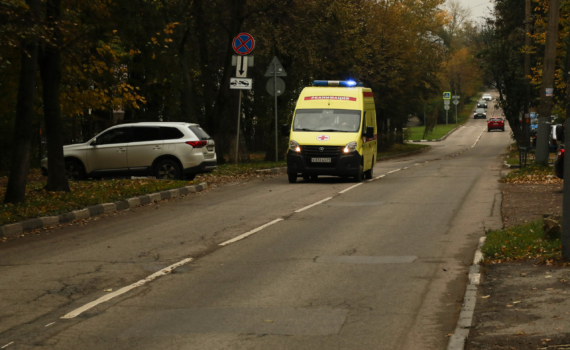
<point x="167" y="150"/>
<point x="487" y="97"/>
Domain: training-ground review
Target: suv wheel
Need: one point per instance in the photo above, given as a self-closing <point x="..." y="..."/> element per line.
<point x="167" y="170"/>
<point x="74" y="170"/>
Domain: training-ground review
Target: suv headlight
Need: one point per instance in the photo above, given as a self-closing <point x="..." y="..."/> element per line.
<point x="350" y="147"/>
<point x="294" y="146"/>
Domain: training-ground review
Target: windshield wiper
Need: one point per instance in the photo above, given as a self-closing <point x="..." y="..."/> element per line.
<point x="305" y="129"/>
<point x="331" y="130"/>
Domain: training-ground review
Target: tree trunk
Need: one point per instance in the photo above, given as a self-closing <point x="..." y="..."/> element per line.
<point x="50" y="70"/>
<point x="16" y="190"/>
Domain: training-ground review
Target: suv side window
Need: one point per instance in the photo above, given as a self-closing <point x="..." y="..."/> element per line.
<point x="199" y="132"/>
<point x="146" y="133"/>
<point x="117" y="135"/>
<point x="170" y="133"/>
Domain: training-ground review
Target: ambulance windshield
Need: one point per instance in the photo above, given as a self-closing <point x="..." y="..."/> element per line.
<point x="340" y="120"/>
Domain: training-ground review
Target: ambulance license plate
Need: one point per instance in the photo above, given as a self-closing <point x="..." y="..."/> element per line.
<point x="320" y="160"/>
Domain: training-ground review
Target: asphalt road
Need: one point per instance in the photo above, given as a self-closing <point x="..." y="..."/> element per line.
<point x="382" y="265"/>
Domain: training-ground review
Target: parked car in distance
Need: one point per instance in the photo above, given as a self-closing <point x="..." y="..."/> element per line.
<point x="480" y="113"/>
<point x="167" y="150"/>
<point x="496" y="123"/>
<point x="482" y="104"/>
<point x="487" y="97"/>
<point x="553" y="139"/>
<point x="559" y="164"/>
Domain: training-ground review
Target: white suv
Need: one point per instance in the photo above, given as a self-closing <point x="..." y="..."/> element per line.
<point x="487" y="97"/>
<point x="166" y="150"/>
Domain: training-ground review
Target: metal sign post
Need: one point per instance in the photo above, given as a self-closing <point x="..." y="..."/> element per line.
<point x="275" y="70"/>
<point x="242" y="44"/>
<point x="455" y="102"/>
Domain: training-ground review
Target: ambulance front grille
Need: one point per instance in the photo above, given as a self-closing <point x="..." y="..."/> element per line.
<point x="322" y="151"/>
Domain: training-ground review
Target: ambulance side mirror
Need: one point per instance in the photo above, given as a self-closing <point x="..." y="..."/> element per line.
<point x="285" y="130"/>
<point x="369" y="132"/>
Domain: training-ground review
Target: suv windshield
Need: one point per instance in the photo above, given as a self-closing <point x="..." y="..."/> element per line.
<point x="340" y="120"/>
<point x="480" y="110"/>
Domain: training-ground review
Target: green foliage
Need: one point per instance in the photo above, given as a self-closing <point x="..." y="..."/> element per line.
<point x="520" y="242"/>
<point x="417" y="132"/>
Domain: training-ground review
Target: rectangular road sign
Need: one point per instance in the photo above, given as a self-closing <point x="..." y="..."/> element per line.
<point x="241" y="66"/>
<point x="241" y="83"/>
<point x="447" y="95"/>
<point x="446" y="102"/>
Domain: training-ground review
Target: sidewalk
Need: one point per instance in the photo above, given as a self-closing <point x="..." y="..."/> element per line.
<point x="523" y="305"/>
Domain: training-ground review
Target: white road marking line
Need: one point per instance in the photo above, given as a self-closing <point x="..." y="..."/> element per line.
<point x="393" y="171"/>
<point x="350" y="188"/>
<point x="312" y="205"/>
<point x="405" y="168"/>
<point x="417" y="164"/>
<point x="123" y="290"/>
<point x="240" y="237"/>
<point x="5" y="346"/>
<point x="379" y="177"/>
<point x="49" y="324"/>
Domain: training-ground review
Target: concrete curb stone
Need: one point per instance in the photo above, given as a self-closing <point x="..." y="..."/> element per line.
<point x="98" y="209"/>
<point x="459" y="336"/>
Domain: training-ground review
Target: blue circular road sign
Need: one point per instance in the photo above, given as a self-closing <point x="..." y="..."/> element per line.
<point x="243" y="44"/>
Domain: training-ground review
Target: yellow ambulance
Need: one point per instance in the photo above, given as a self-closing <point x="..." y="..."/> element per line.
<point x="333" y="132"/>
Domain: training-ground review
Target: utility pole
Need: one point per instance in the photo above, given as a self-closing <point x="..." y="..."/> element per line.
<point x="547" y="86"/>
<point x="525" y="125"/>
<point x="566" y="201"/>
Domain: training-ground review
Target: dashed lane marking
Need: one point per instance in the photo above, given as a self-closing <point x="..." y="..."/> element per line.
<point x="312" y="205"/>
<point x="49" y="324"/>
<point x="350" y="188"/>
<point x="123" y="290"/>
<point x="7" y="345"/>
<point x="249" y="233"/>
<point x="393" y="171"/>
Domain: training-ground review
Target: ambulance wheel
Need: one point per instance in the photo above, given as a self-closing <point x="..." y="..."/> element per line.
<point x="368" y="174"/>
<point x="306" y="177"/>
<point x="292" y="178"/>
<point x="360" y="176"/>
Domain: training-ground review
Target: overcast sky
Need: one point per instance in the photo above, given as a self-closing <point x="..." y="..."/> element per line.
<point x="479" y="8"/>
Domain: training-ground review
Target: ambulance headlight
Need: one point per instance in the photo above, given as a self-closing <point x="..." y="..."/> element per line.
<point x="294" y="146"/>
<point x="350" y="147"/>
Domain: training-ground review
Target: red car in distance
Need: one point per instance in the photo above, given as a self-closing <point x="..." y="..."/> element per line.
<point x="496" y="123"/>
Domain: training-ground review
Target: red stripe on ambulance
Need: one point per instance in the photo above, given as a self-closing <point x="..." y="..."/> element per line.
<point x="339" y="98"/>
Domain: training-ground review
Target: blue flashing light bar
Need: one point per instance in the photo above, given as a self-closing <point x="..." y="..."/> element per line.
<point x="343" y="83"/>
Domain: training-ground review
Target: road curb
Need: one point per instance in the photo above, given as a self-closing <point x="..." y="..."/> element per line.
<point x="19" y="228"/>
<point x="459" y="336"/>
<point x="436" y="140"/>
<point x="281" y="170"/>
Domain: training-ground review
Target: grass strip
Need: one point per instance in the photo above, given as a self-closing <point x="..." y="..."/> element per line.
<point x="520" y="243"/>
<point x="400" y="149"/>
<point x="417" y="132"/>
<point x="83" y="193"/>
<point x="532" y="173"/>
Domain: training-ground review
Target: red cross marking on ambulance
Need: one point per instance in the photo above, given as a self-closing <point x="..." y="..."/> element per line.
<point x="322" y="137"/>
